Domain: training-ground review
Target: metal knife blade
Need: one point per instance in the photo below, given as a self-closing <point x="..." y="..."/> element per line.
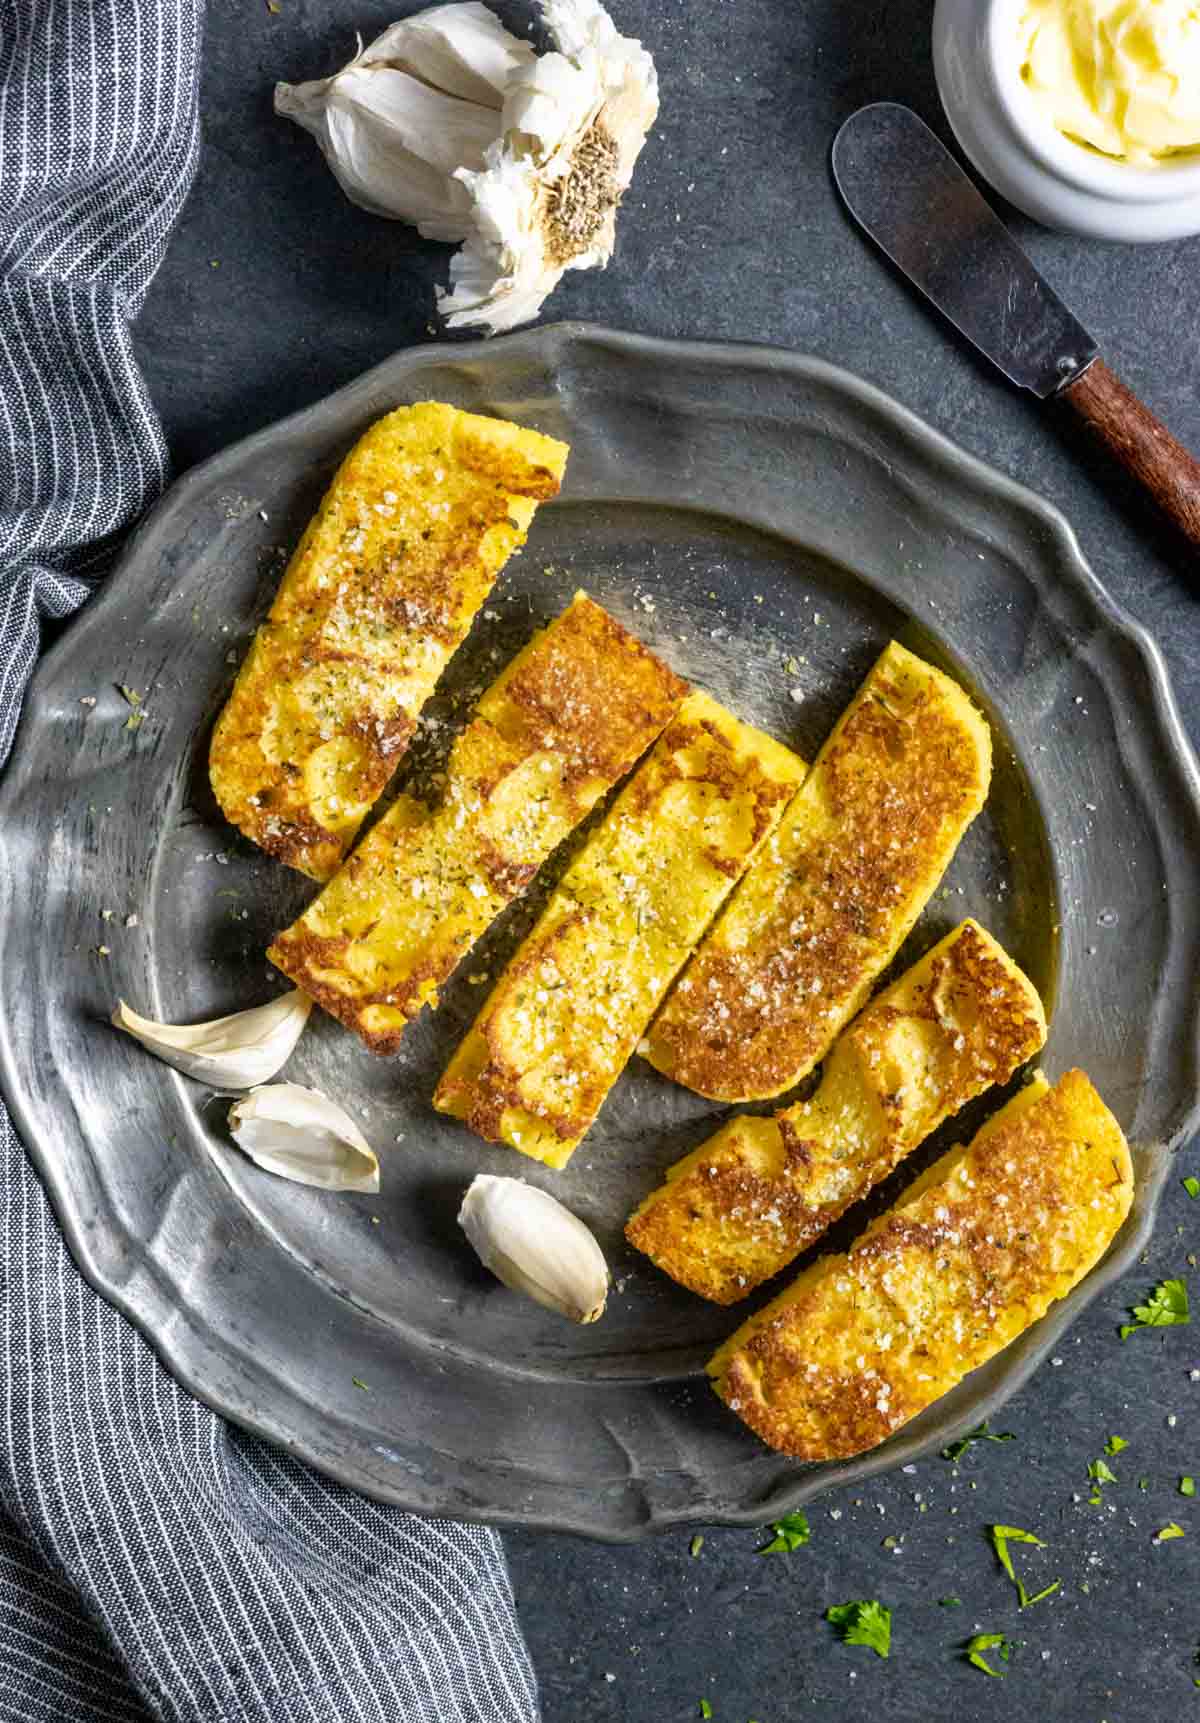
<point x="906" y="190"/>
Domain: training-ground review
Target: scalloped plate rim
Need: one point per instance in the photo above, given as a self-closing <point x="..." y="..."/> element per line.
<point x="103" y="1276"/>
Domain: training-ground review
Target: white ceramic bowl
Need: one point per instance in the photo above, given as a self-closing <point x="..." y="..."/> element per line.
<point x="977" y="61"/>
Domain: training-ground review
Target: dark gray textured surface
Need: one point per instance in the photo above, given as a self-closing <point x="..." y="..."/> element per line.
<point x="750" y="243"/>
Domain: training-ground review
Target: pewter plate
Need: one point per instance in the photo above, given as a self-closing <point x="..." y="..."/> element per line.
<point x="764" y="521"/>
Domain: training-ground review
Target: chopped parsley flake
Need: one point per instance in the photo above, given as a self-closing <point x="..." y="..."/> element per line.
<point x="792" y="1532"/>
<point x="1115" y="1444"/>
<point x="1002" y="1536"/>
<point x="358" y="1383"/>
<point x="1192" y="1187"/>
<point x="1101" y="1473"/>
<point x="1187" y="1486"/>
<point x="1169" y="1531"/>
<point x="949" y="1602"/>
<point x="863" y="1621"/>
<point x="1046" y="1591"/>
<point x="1166" y="1306"/>
<point x="981" y="1642"/>
<point x="980" y="1433"/>
<point x="705" y="1708"/>
<point x="697" y="1544"/>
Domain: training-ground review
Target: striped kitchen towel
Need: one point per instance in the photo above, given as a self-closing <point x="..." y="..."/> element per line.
<point x="153" y="1561"/>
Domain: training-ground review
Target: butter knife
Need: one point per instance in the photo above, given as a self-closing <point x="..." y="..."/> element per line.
<point x="903" y="186"/>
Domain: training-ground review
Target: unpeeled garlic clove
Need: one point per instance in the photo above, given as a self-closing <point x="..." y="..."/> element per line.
<point x="461" y="48"/>
<point x="535" y="1245"/>
<point x="234" y="1052"/>
<point x="304" y="1136"/>
<point x="404" y="114"/>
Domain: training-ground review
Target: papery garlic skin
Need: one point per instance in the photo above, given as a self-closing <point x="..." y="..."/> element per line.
<point x="304" y="1136"/>
<point x="234" y="1052"/>
<point x="451" y="123"/>
<point x="535" y="1246"/>
<point x="573" y="126"/>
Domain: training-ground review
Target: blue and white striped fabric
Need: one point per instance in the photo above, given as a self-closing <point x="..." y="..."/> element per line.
<point x="153" y="1561"/>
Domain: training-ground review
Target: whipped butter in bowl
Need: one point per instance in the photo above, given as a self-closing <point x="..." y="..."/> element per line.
<point x="1121" y="77"/>
<point x="1083" y="113"/>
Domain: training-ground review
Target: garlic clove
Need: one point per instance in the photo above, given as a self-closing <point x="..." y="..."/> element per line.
<point x="393" y="143"/>
<point x="234" y="1052"/>
<point x="437" y="131"/>
<point x="404" y="114"/>
<point x="304" y="1136"/>
<point x="535" y="1245"/>
<point x="461" y="49"/>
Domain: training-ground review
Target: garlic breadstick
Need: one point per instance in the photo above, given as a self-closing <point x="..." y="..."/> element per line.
<point x="744" y="1204"/>
<point x="558" y="728"/>
<point x="421" y="516"/>
<point x="564" y="1018"/>
<point x="976" y="1250"/>
<point x="835" y="892"/>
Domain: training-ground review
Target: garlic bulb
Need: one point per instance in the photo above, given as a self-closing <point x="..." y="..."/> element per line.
<point x="234" y="1052"/>
<point x="304" y="1136"/>
<point x="451" y="123"/>
<point x="535" y="1245"/>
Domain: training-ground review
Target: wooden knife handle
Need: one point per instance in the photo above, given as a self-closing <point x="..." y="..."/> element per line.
<point x="1142" y="444"/>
